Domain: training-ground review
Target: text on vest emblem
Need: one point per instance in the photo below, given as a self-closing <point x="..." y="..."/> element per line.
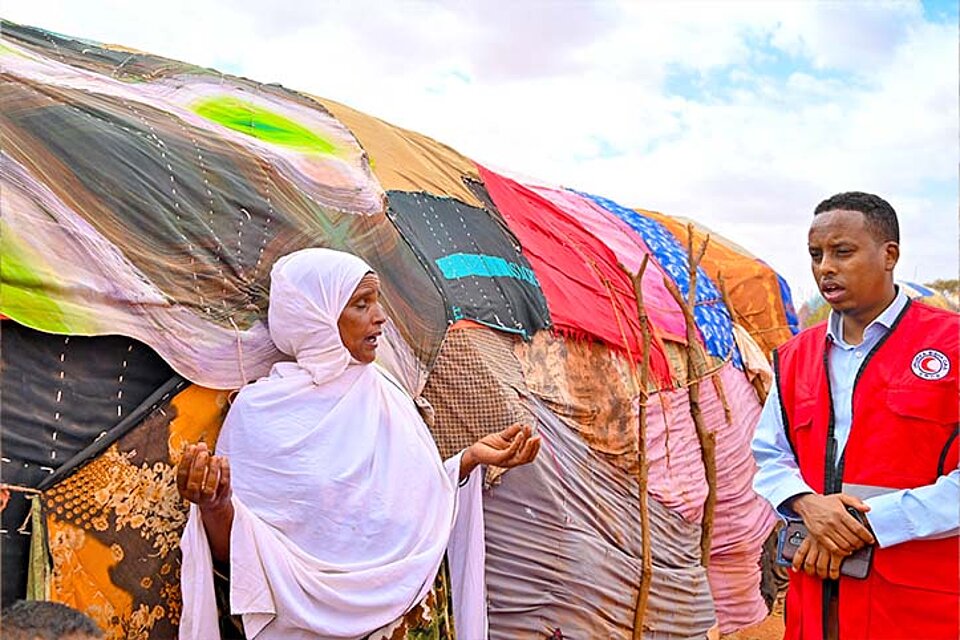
<point x="930" y="364"/>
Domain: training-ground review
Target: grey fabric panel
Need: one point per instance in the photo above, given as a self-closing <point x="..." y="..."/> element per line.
<point x="563" y="550"/>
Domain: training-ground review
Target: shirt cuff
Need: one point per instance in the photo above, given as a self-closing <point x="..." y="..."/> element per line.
<point x="786" y="491"/>
<point x="889" y="524"/>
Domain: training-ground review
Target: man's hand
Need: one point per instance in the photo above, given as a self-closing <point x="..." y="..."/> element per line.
<point x="830" y="525"/>
<point x="508" y="448"/>
<point x="204" y="478"/>
<point x="815" y="560"/>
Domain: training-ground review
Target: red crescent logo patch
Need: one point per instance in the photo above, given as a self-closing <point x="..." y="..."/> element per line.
<point x="930" y="364"/>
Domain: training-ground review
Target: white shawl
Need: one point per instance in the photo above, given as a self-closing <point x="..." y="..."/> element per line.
<point x="343" y="508"/>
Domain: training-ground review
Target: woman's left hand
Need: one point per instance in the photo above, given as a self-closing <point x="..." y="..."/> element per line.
<point x="508" y="448"/>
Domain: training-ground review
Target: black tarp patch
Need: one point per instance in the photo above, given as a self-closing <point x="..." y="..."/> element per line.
<point x="475" y="262"/>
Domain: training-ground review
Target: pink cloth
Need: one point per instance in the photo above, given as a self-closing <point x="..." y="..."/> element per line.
<point x="676" y="478"/>
<point x="629" y="248"/>
<point x="742" y="520"/>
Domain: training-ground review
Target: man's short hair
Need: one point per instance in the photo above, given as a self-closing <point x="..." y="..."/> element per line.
<point x="880" y="218"/>
<point x="38" y="620"/>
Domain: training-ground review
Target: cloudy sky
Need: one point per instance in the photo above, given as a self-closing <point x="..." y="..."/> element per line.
<point x="741" y="115"/>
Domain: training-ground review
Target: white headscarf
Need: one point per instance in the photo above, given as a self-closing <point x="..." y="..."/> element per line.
<point x="343" y="508"/>
<point x="309" y="290"/>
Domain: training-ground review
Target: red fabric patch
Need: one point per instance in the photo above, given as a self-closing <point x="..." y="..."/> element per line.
<point x="587" y="292"/>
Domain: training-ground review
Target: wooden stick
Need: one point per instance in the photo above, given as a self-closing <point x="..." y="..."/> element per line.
<point x="756" y="382"/>
<point x="696" y="366"/>
<point x="19" y="489"/>
<point x="646" y="575"/>
<point x="725" y="295"/>
<point x="722" y="395"/>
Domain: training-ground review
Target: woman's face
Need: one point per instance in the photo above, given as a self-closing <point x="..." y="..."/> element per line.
<point x="362" y="320"/>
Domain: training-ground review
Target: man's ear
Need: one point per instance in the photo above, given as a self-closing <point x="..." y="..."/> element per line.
<point x="892" y="255"/>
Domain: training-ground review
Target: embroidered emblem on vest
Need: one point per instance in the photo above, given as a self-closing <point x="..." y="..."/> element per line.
<point x="930" y="364"/>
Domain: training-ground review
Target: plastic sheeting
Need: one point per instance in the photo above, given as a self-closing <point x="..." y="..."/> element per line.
<point x="590" y="388"/>
<point x="593" y="393"/>
<point x="742" y="519"/>
<point x="564" y="550"/>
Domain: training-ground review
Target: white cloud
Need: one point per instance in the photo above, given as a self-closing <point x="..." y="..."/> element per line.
<point x="789" y="102"/>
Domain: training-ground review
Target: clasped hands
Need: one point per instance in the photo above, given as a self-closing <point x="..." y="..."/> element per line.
<point x="834" y="533"/>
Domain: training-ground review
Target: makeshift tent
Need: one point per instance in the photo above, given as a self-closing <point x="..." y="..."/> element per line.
<point x="144" y="203"/>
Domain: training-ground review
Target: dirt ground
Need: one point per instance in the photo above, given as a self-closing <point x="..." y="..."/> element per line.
<point x="770" y="629"/>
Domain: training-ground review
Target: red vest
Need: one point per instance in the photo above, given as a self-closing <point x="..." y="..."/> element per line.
<point x="903" y="435"/>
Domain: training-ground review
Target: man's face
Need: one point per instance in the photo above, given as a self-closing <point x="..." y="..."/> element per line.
<point x="362" y="320"/>
<point x="853" y="269"/>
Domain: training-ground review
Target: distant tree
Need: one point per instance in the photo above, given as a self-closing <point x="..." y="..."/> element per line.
<point x="817" y="314"/>
<point x="946" y="287"/>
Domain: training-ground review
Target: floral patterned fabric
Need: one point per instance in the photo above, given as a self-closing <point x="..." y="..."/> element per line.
<point x="114" y="525"/>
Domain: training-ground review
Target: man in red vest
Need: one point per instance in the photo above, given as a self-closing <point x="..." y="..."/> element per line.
<point x="858" y="439"/>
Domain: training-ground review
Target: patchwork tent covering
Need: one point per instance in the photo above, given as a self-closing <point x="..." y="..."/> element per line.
<point x="770" y="317"/>
<point x="144" y="201"/>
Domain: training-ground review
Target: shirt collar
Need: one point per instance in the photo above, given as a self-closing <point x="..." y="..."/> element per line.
<point x="885" y="319"/>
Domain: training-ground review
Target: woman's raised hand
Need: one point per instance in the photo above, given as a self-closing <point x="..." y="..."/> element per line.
<point x="204" y="478"/>
<point x="508" y="448"/>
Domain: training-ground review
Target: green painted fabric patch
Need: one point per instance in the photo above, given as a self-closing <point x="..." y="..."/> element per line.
<point x="263" y="124"/>
<point x="22" y="294"/>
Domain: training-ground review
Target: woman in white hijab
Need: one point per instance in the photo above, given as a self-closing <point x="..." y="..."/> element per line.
<point x="327" y="498"/>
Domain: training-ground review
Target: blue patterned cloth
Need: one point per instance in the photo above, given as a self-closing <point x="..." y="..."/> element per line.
<point x="792" y="321"/>
<point x="710" y="314"/>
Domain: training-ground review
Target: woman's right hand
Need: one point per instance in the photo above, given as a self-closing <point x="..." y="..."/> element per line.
<point x="204" y="479"/>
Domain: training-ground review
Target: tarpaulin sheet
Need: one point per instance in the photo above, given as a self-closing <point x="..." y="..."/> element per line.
<point x="711" y="315"/>
<point x="473" y="260"/>
<point x="754" y="289"/>
<point x="60" y="393"/>
<point x="149" y="198"/>
<point x="676" y="476"/>
<point x="564" y="550"/>
<point x="587" y="292"/>
<point x="590" y="388"/>
<point x="665" y="314"/>
<point x="593" y="393"/>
